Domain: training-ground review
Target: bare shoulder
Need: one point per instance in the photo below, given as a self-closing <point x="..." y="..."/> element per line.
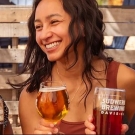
<point x="126" y="75"/>
<point x="26" y="99"/>
<point x="27" y="111"/>
<point x="26" y="96"/>
<point x="126" y="80"/>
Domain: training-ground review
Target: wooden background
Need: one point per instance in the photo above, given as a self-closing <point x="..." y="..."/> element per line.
<point x="120" y="21"/>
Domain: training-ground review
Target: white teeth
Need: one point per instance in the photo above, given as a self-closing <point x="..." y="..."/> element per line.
<point x="52" y="45"/>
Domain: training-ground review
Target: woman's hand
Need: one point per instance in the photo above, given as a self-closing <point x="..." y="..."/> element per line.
<point x="124" y="129"/>
<point x="45" y="127"/>
<point x="90" y="128"/>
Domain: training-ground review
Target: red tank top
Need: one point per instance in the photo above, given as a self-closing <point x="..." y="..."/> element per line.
<point x="79" y="127"/>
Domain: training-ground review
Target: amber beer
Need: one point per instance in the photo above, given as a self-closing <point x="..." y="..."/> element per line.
<point x="52" y="103"/>
<point x="109" y="105"/>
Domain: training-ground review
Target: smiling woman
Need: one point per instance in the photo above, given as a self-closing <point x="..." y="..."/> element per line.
<point x="66" y="44"/>
<point x="50" y="35"/>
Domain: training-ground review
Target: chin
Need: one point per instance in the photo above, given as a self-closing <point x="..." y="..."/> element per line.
<point x="52" y="59"/>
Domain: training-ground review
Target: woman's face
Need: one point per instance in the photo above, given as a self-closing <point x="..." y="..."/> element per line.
<point x="51" y="25"/>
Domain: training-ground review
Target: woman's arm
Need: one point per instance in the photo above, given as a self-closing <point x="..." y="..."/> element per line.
<point x="126" y="80"/>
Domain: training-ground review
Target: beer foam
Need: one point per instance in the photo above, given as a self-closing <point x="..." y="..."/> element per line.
<point x="51" y="89"/>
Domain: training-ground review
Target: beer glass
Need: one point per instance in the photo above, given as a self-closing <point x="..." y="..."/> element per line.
<point x="108" y="110"/>
<point x="52" y="101"/>
<point x="1" y="117"/>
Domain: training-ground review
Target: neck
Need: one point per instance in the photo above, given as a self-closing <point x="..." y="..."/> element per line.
<point x="65" y="71"/>
<point x="63" y="65"/>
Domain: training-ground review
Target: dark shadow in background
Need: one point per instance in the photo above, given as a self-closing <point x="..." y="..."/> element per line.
<point x="6" y="2"/>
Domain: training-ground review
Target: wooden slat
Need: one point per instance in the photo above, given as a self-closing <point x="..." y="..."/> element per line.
<point x="12" y="55"/>
<point x="13" y="107"/>
<point x="17" y="130"/>
<point x="14" y="13"/>
<point x="6" y="71"/>
<point x="118" y="14"/>
<point x="5" y="86"/>
<point x="119" y="29"/>
<point x="123" y="56"/>
<point x="21" y="14"/>
<point x="112" y="29"/>
<point x="13" y="78"/>
<point x="13" y="30"/>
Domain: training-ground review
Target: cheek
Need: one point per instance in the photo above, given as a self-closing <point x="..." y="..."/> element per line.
<point x="38" y="39"/>
<point x="63" y="33"/>
<point x="61" y="30"/>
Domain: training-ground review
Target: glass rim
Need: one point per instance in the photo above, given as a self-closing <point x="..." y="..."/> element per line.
<point x="59" y="86"/>
<point x="59" y="82"/>
<point x="52" y="89"/>
<point x="111" y="89"/>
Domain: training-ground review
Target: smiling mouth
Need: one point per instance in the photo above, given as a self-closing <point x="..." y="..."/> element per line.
<point x="52" y="45"/>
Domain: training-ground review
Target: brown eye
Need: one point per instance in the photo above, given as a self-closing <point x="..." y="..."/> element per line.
<point x="38" y="27"/>
<point x="54" y="21"/>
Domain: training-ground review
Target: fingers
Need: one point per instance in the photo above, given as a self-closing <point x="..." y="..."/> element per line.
<point x="45" y="123"/>
<point x="39" y="132"/>
<point x="88" y="123"/>
<point x="124" y="128"/>
<point x="45" y="127"/>
<point x="89" y="126"/>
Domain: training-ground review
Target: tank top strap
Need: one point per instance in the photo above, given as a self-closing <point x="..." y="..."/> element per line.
<point x="112" y="72"/>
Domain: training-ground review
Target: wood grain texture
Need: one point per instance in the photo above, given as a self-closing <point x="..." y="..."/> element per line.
<point x="22" y="13"/>
<point x="13" y="30"/>
<point x="12" y="55"/>
<point x="14" y="13"/>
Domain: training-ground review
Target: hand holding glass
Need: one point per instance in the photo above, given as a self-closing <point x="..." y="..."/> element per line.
<point x="109" y="105"/>
<point x="52" y="101"/>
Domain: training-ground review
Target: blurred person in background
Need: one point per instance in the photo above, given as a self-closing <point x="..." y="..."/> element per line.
<point x="7" y="126"/>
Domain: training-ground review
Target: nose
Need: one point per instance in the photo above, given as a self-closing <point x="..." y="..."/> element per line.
<point x="46" y="33"/>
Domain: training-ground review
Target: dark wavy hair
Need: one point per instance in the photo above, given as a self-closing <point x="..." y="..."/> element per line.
<point x="84" y="12"/>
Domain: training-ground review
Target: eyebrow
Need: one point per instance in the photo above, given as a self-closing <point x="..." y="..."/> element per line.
<point x="48" y="17"/>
